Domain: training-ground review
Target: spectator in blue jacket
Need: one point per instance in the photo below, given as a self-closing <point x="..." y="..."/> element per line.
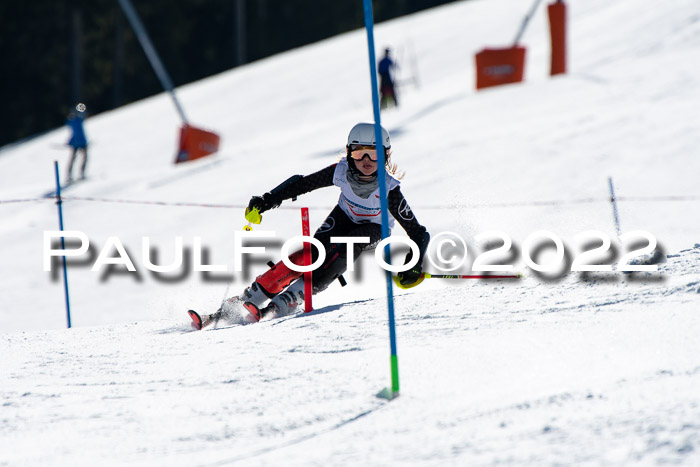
<point x="78" y="141"/>
<point x="387" y="88"/>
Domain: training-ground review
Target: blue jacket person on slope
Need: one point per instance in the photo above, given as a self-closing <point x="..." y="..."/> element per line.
<point x="387" y="86"/>
<point x="78" y="141"/>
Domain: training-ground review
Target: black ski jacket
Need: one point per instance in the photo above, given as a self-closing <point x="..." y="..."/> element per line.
<point x="300" y="184"/>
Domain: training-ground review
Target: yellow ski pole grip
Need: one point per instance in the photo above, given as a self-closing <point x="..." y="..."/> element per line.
<point x="253" y="215"/>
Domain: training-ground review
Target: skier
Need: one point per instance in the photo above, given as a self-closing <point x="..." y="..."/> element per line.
<point x="78" y="141"/>
<point x="357" y="214"/>
<point x="386" y="81"/>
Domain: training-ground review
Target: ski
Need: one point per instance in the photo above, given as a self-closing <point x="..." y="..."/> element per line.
<point x="196" y="319"/>
<point x="199" y="322"/>
<point x="229" y="312"/>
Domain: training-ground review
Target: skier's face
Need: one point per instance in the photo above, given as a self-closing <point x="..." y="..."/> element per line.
<point x="365" y="159"/>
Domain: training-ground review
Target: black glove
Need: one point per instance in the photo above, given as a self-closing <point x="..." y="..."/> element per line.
<point x="274" y="198"/>
<point x="263" y="203"/>
<point x="410" y="276"/>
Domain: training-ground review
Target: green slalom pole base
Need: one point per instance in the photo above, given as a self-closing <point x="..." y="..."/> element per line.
<point x="387" y="394"/>
<point x="393" y="393"/>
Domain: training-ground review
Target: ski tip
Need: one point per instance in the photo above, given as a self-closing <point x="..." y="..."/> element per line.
<point x="196" y="319"/>
<point x="253" y="310"/>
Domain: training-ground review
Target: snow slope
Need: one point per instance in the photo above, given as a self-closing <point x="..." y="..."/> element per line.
<point x="599" y="368"/>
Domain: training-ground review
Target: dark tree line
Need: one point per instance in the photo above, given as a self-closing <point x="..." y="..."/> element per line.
<point x="55" y="53"/>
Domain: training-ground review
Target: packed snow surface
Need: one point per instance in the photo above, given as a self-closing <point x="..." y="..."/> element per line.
<point x="562" y="367"/>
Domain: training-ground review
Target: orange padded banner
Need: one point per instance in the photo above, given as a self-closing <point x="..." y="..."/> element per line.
<point x="196" y="143"/>
<point x="499" y="66"/>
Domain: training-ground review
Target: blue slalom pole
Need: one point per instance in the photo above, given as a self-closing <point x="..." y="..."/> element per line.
<point x="381" y="176"/>
<point x="59" y="203"/>
<point x="613" y="200"/>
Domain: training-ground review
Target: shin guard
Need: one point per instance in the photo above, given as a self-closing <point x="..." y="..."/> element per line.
<point x="280" y="276"/>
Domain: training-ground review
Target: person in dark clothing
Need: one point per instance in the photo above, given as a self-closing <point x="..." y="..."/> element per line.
<point x="357" y="214"/>
<point x="78" y="141"/>
<point x="387" y="87"/>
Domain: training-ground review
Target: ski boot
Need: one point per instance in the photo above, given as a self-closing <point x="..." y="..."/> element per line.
<point x="286" y="302"/>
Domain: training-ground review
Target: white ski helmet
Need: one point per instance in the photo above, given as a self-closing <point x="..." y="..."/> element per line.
<point x="363" y="133"/>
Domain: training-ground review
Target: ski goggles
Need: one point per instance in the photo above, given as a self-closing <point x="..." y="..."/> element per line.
<point x="358" y="152"/>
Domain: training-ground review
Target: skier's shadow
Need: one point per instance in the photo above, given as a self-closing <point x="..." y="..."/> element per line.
<point x="320" y="311"/>
<point x="331" y="308"/>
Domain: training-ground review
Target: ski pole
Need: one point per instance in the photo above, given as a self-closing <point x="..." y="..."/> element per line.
<point x="426" y="275"/>
<point x="478" y="276"/>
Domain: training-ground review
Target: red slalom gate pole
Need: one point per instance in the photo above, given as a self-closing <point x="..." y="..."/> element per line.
<point x="306" y="231"/>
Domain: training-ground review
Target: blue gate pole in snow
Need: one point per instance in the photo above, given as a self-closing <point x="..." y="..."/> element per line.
<point x="381" y="176"/>
<point x="613" y="200"/>
<point x="59" y="203"/>
<point x="151" y="53"/>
